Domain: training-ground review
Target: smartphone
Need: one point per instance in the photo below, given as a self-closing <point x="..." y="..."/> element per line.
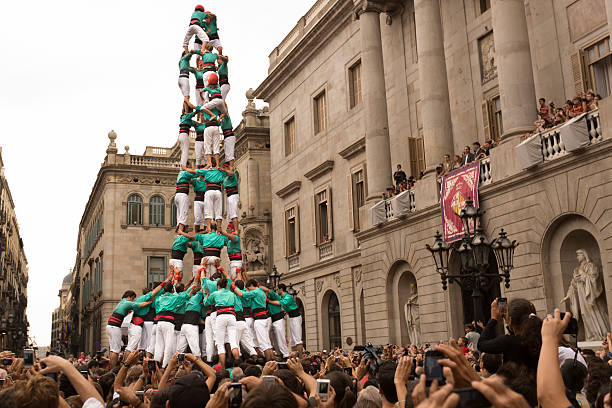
<point x="85" y="373"/>
<point x="471" y="398"/>
<point x="140" y="395"/>
<point x="7" y="361"/>
<point x="28" y="357"/>
<point x="323" y="389"/>
<point x="572" y="327"/>
<point x="151" y="365"/>
<point x="181" y="357"/>
<point x="142" y="355"/>
<point x="433" y="370"/>
<point x="282" y="366"/>
<point x="268" y="378"/>
<point x="348" y="371"/>
<point x="502" y="302"/>
<point x="235" y="398"/>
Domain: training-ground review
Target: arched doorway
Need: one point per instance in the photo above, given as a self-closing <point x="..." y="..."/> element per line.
<point x="332" y="328"/>
<point x="300" y="306"/>
<point x="403" y="305"/>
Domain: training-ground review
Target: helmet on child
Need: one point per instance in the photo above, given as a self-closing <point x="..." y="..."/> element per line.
<point x="199" y="7"/>
<point x="213" y="79"/>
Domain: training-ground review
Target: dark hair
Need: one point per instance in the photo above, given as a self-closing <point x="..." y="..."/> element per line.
<point x="7" y="398"/>
<point x="159" y="398"/>
<point x="216" y="275"/>
<point x="574" y="374"/>
<point x="290" y="381"/>
<point x="128" y="294"/>
<point x="251" y="282"/>
<point x="385" y="377"/>
<point x="477" y="143"/>
<point x="180" y="287"/>
<point x="282" y="287"/>
<point x="541" y="99"/>
<point x="240" y="284"/>
<point x="520" y="379"/>
<point x="222" y="283"/>
<point x="598" y="375"/>
<point x="106" y="383"/>
<point x="491" y="362"/>
<point x="213" y="227"/>
<point x="65" y="386"/>
<point x="169" y="287"/>
<point x="252" y="371"/>
<point x="527" y="325"/>
<point x="270" y="395"/>
<point x="342" y="384"/>
<point x="146" y="290"/>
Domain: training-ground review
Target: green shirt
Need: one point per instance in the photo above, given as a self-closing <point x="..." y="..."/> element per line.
<point x="207" y="118"/>
<point x="239" y="304"/>
<point x="288" y="303"/>
<point x="125" y="307"/>
<point x="198" y="185"/>
<point x="172" y="301"/>
<point x="212" y="240"/>
<point x="198" y="74"/>
<point x="211" y="175"/>
<point x="184" y="62"/>
<point x="274" y="309"/>
<point x="226" y="123"/>
<point x="180" y="243"/>
<point x="221" y="298"/>
<point x="211" y="91"/>
<point x="196" y="247"/>
<point x="222" y="68"/>
<point x="155" y="303"/>
<point x="233" y="247"/>
<point x="212" y="25"/>
<point x="194" y="302"/>
<point x="142" y="311"/>
<point x="209" y="284"/>
<point x="200" y="16"/>
<point x="209" y="58"/>
<point x="184" y="177"/>
<point x="231" y="181"/>
<point x="186" y="119"/>
<point x="257" y="298"/>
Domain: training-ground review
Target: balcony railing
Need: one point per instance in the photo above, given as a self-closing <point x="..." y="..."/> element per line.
<point x="485" y="172"/>
<point x="553" y="145"/>
<point x="154" y="161"/>
<point x="326" y="250"/>
<point x="294" y="262"/>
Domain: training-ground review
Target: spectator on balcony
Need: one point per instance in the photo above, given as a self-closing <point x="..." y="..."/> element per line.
<point x="578" y="107"/>
<point x="568" y="107"/>
<point x="467" y="157"/>
<point x="399" y="176"/>
<point x="447" y="165"/>
<point x="591" y="100"/>
<point x="390" y="192"/>
<point x="456" y="162"/>
<point x="479" y="152"/>
<point x="410" y="183"/>
<point x="560" y="116"/>
<point x="544" y="111"/>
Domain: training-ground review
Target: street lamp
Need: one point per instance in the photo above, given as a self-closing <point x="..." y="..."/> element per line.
<point x="474" y="250"/>
<point x="291" y="291"/>
<point x="273" y="278"/>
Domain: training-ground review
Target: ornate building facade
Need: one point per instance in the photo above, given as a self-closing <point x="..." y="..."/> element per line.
<point x="358" y="86"/>
<point x="13" y="274"/>
<point x="60" y="327"/>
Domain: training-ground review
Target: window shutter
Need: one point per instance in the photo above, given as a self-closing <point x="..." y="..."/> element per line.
<point x="315" y="223"/>
<point x="297" y="228"/>
<point x="412" y="149"/>
<point x="330" y="215"/>
<point x="486" y="120"/>
<point x="365" y="182"/>
<point x="421" y="153"/>
<point x="351" y="202"/>
<point x="577" y="72"/>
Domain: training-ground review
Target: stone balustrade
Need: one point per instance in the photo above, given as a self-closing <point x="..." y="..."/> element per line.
<point x="553" y="146"/>
<point x="485" y="172"/>
<point x="294" y="262"/>
<point x="326" y="250"/>
<point x="154" y="161"/>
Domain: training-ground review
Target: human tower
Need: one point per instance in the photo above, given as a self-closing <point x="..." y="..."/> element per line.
<point x="220" y="313"/>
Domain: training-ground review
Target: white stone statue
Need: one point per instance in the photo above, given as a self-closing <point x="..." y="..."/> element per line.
<point x="411" y="314"/>
<point x="585" y="298"/>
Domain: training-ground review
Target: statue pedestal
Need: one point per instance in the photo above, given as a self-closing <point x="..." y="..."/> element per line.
<point x="589" y="345"/>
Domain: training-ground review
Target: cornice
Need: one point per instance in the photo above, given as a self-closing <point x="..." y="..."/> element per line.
<point x="355" y="148"/>
<point x="320" y="170"/>
<point x="376" y="6"/>
<point x="318" y="266"/>
<point x="289" y="188"/>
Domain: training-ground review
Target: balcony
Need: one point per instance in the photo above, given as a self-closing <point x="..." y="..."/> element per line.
<point x="553" y="145"/>
<point x="326" y="250"/>
<point x="294" y="262"/>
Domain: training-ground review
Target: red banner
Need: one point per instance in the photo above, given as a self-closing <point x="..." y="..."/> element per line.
<point x="458" y="187"/>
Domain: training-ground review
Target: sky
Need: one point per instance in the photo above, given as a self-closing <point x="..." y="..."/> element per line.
<point x="72" y="70"/>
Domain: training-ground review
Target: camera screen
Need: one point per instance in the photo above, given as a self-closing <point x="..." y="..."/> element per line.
<point x="433" y="370"/>
<point x="28" y="358"/>
<point x="323" y="386"/>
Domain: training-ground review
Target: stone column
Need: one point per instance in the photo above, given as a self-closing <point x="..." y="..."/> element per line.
<point x="433" y="83"/>
<point x="378" y="154"/>
<point x="514" y="70"/>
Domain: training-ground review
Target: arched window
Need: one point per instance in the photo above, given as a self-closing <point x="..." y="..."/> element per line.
<point x="157" y="211"/>
<point x="334" y="327"/>
<point x="134" y="209"/>
<point x="173" y="213"/>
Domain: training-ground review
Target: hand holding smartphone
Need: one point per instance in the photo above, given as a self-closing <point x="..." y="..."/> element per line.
<point x="433" y="369"/>
<point x="323" y="389"/>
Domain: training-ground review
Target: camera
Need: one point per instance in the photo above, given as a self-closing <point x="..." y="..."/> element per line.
<point x="372" y="355"/>
<point x="7" y="361"/>
<point x="181" y="357"/>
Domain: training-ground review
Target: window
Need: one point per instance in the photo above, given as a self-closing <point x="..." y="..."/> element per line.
<point x="355" y="95"/>
<point x="289" y="136"/>
<point x="357" y="195"/>
<point x="292" y="231"/>
<point x="492" y="118"/>
<point x="156" y="270"/>
<point x="334" y="326"/>
<point x="157" y="210"/>
<point x="320" y="116"/>
<point x="173" y="220"/>
<point x="598" y="59"/>
<point x="323" y="216"/>
<point x="134" y="209"/>
<point x="417" y="155"/>
<point x="483" y="5"/>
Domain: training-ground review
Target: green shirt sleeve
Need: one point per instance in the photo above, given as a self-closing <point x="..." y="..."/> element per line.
<point x="274" y="296"/>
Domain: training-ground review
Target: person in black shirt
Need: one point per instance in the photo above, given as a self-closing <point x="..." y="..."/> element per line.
<point x="479" y="152"/>
<point x="467" y="157"/>
<point x="399" y="176"/>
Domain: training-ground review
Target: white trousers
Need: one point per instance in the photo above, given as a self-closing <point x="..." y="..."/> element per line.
<point x="262" y="333"/>
<point x="183" y="140"/>
<point x="250" y="325"/>
<point x="183" y="83"/>
<point x="203" y="344"/>
<point x="190" y="336"/>
<point x="209" y="330"/>
<point x="232" y="207"/>
<point x="216" y="43"/>
<point x="194" y="29"/>
<point x="228" y="145"/>
<point x="199" y="147"/>
<point x="181" y="200"/>
<point x="278" y="327"/>
<point x="213" y="205"/>
<point x="225" y="327"/>
<point x="234" y="265"/>
<point x="177" y="263"/>
<point x="151" y="347"/>
<point x="225" y="88"/>
<point x="211" y="266"/>
<point x="295" y="331"/>
<point x="212" y="140"/>
<point x="214" y="103"/>
<point x="114" y="338"/>
<point x="165" y="342"/>
<point x="198" y="212"/>
<point x="134" y="334"/>
<point x="199" y="98"/>
<point x="243" y="337"/>
<point x="145" y="337"/>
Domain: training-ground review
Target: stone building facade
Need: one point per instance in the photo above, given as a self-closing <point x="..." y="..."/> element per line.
<point x="13" y="274"/>
<point x="60" y="328"/>
<point x="358" y="86"/>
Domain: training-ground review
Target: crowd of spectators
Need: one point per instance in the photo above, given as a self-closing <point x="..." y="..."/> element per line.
<point x="533" y="365"/>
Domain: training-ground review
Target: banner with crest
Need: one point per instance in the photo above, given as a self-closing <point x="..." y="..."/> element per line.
<point x="458" y="187"/>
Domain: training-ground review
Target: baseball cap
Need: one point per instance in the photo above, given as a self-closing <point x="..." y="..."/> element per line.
<point x="189" y="391"/>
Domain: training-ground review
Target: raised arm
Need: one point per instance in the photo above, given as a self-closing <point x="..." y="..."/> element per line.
<point x="550" y="383"/>
<point x="188" y="170"/>
<point x="83" y="387"/>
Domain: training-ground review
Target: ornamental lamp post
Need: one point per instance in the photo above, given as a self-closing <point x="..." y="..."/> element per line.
<point x="291" y="291"/>
<point x="470" y="216"/>
<point x="274" y="277"/>
<point x="504" y="253"/>
<point x="440" y="251"/>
